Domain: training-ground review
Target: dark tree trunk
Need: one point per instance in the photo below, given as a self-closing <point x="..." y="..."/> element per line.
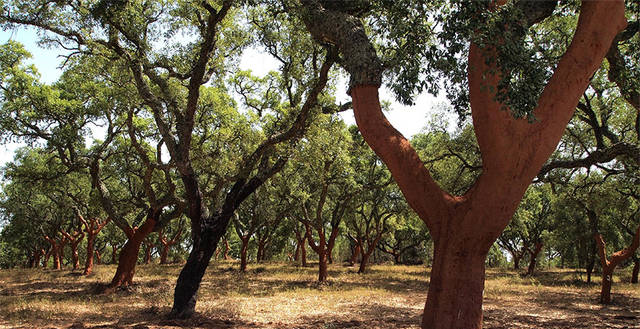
<point x="260" y="254"/>
<point x="45" y="262"/>
<point x="164" y="254"/>
<point x="516" y="262"/>
<point x="147" y="253"/>
<point x="354" y="255"/>
<point x="243" y="254"/>
<point x="114" y="254"/>
<point x="204" y="245"/>
<point x="363" y="262"/>
<point x="534" y="255"/>
<point x="636" y="270"/>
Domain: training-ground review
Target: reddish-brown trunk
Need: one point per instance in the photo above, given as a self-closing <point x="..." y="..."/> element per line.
<point x="91" y="227"/>
<point x="88" y="265"/>
<point x="609" y="263"/>
<point x="129" y="254"/>
<point x="366" y="252"/>
<point x="322" y="265"/>
<point x="166" y="244"/>
<point x="363" y="262"/>
<point x="636" y="270"/>
<point x="54" y="251"/>
<point x="534" y="255"/>
<point x="98" y="257"/>
<point x="74" y="240"/>
<point x="243" y="253"/>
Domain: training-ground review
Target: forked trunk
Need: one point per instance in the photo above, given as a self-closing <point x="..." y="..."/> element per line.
<point x="354" y="255"/>
<point x="516" y="262"/>
<point x="98" y="257"/>
<point x="534" y="255"/>
<point x="129" y="255"/>
<point x="363" y="262"/>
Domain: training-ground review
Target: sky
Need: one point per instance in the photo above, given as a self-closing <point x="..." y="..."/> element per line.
<point x="409" y="120"/>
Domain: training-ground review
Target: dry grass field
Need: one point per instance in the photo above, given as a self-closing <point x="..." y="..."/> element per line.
<point x="285" y="296"/>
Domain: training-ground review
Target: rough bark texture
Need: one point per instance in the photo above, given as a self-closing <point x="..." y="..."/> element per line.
<point x="186" y="291"/>
<point x="609" y="263"/>
<point x="513" y="151"/>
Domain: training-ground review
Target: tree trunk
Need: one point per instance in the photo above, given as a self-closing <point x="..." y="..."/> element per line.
<point x="609" y="263"/>
<point x="534" y="255"/>
<point x="204" y="245"/>
<point x="243" y="254"/>
<point x="322" y="264"/>
<point x="456" y="286"/>
<point x="98" y="257"/>
<point x="45" y="262"/>
<point x="636" y="270"/>
<point x="260" y="254"/>
<point x="605" y="291"/>
<point x="226" y="250"/>
<point x="74" y="255"/>
<point x="129" y="255"/>
<point x="363" y="262"/>
<point x="354" y="255"/>
<point x="516" y="262"/>
<point x="88" y="265"/>
<point x="164" y="254"/>
<point x="114" y="254"/>
<point x="303" y="254"/>
<point x="147" y="253"/>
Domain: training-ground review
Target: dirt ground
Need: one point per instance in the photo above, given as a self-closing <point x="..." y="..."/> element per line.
<point x="286" y="296"/>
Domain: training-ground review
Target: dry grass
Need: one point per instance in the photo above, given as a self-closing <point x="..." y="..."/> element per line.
<point x="285" y="296"/>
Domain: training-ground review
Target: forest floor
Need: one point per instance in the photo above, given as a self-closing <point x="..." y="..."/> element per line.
<point x="286" y="296"/>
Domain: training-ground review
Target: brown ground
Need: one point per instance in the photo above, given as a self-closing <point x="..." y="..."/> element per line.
<point x="284" y="296"/>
